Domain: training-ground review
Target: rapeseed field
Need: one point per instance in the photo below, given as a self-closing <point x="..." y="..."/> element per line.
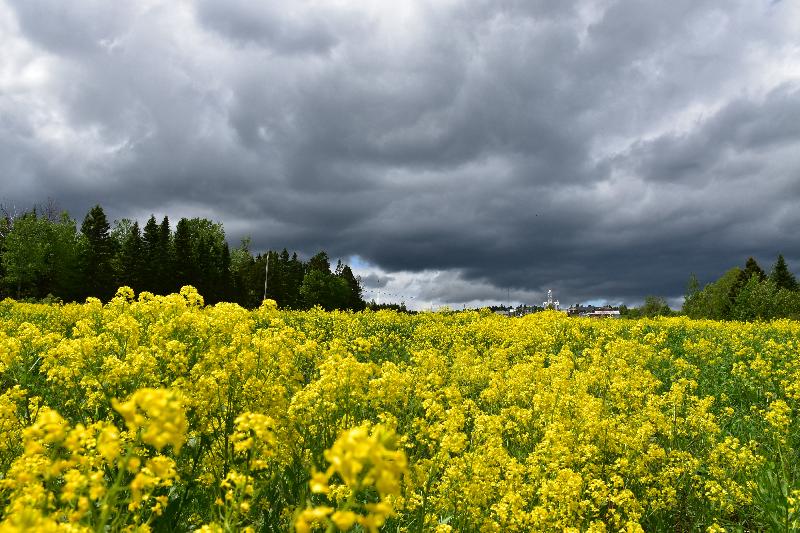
<point x="160" y="413"/>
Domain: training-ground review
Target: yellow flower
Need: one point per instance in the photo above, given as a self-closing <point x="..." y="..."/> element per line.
<point x="364" y="458"/>
<point x="309" y="517"/>
<point x="108" y="444"/>
<point x="344" y="520"/>
<point x="319" y="483"/>
<point x="158" y="414"/>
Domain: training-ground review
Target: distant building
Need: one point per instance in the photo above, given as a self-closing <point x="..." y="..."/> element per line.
<point x="580" y="310"/>
<point x="605" y="313"/>
<point x="592" y="311"/>
<point x="520" y="310"/>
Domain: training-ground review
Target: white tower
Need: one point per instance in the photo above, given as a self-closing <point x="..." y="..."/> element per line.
<point x="550" y="303"/>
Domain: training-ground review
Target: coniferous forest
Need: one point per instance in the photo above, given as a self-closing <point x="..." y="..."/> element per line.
<point x="45" y="254"/>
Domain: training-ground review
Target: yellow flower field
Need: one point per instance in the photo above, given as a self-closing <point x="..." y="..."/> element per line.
<point x="157" y="413"/>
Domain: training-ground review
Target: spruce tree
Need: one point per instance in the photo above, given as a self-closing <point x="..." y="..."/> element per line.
<point x="97" y="255"/>
<point x="165" y="280"/>
<point x="751" y="268"/>
<point x="226" y="279"/>
<point x="150" y="246"/>
<point x="354" y="296"/>
<point x="64" y="258"/>
<point x="782" y="276"/>
<point x="132" y="259"/>
<point x="296" y="271"/>
<point x="320" y="262"/>
<point x="182" y="244"/>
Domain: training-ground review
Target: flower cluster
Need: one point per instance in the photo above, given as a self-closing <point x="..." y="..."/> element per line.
<point x="158" y="414"/>
<point x="364" y="460"/>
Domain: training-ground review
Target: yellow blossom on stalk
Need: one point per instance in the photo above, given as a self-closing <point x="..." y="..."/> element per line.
<point x="11" y="423"/>
<point x="125" y="294"/>
<point x="366" y="458"/>
<point x="108" y="443"/>
<point x="344" y="520"/>
<point x="362" y="459"/>
<point x="319" y="483"/>
<point x="159" y="471"/>
<point x="308" y="518"/>
<point x="158" y="414"/>
<point x="253" y="430"/>
<point x="9" y="348"/>
<point x="779" y="416"/>
<point x="50" y="427"/>
<point x="269" y="305"/>
<point x="191" y="296"/>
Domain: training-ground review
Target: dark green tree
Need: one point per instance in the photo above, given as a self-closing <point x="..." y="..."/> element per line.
<point x="781" y="276"/>
<point x="97" y="255"/>
<point x="131" y="258"/>
<point x="324" y="289"/>
<point x="226" y="279"/>
<point x="295" y="273"/>
<point x="151" y="238"/>
<point x="207" y="240"/>
<point x="752" y="268"/>
<point x="242" y="270"/>
<point x="355" y="301"/>
<point x="63" y="259"/>
<point x="184" y="261"/>
<point x="320" y="262"/>
<point x="164" y="267"/>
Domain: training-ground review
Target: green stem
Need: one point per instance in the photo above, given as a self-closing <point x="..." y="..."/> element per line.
<point x="110" y="496"/>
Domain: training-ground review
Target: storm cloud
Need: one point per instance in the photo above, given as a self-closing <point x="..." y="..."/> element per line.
<point x="465" y="151"/>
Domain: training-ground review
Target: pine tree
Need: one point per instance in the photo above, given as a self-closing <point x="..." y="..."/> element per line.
<point x="226" y="278"/>
<point x="184" y="274"/>
<point x="751" y="268"/>
<point x="165" y="280"/>
<point x="782" y="276"/>
<point x="296" y="271"/>
<point x="97" y="255"/>
<point x="150" y="246"/>
<point x="320" y="262"/>
<point x="132" y="259"/>
<point x="64" y="258"/>
<point x="354" y="297"/>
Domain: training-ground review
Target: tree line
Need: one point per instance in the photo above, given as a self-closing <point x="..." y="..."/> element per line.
<point x="44" y="255"/>
<point x="747" y="293"/>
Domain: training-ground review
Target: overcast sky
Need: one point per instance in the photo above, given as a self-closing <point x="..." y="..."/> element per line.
<point x="455" y="151"/>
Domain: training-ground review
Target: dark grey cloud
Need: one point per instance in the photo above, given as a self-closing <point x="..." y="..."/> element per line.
<point x="373" y="281"/>
<point x="288" y="28"/>
<point x="464" y="151"/>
